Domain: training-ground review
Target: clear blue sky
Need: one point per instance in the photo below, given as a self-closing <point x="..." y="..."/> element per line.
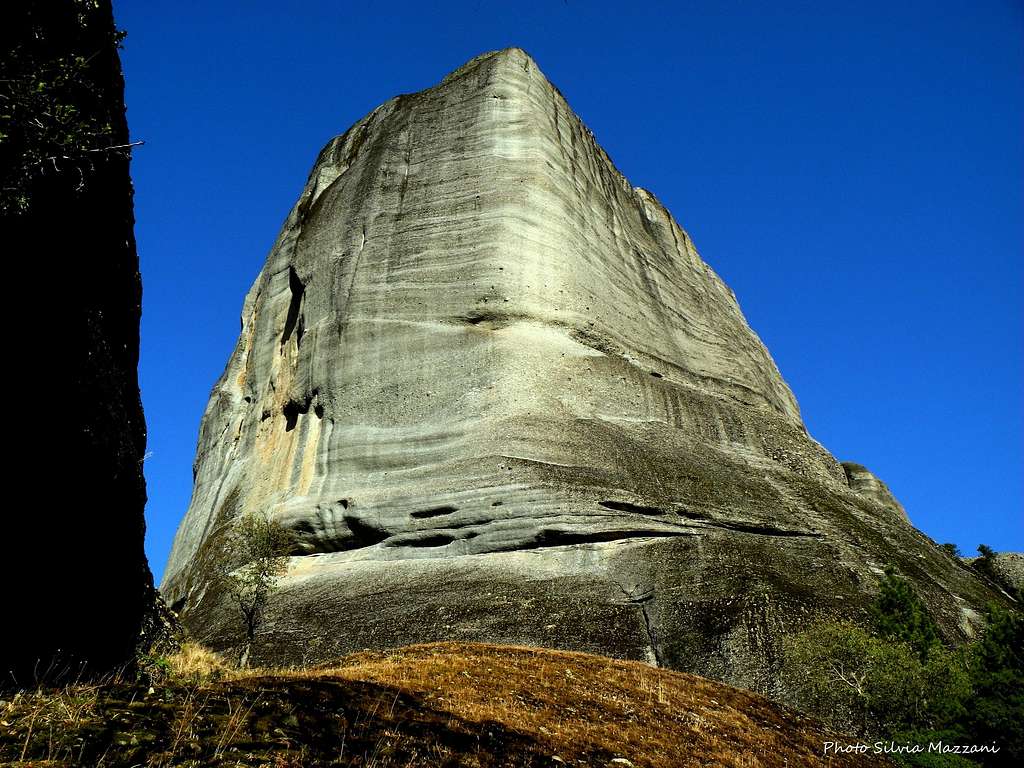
<point x="853" y="170"/>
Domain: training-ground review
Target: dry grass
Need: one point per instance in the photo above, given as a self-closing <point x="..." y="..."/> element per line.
<point x="577" y="703"/>
<point x="432" y="705"/>
<point x="50" y="721"/>
<point x="196" y="663"/>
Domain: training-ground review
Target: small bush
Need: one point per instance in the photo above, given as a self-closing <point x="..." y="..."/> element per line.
<point x="194" y="663"/>
<point x="191" y="663"/>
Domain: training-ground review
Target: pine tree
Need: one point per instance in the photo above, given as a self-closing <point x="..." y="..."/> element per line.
<point x="900" y="614"/>
<point x="997" y="672"/>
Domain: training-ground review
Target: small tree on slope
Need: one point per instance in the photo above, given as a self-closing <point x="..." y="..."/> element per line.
<point x="248" y="564"/>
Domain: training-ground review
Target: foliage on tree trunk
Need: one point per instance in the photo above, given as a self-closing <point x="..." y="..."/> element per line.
<point x="55" y="117"/>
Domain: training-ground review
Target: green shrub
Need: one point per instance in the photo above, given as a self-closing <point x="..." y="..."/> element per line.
<point x="996" y="711"/>
<point x="849" y="676"/>
<point x="897" y="682"/>
<point x="900" y="614"/>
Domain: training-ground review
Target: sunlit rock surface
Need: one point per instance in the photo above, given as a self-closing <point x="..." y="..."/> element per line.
<point x="864" y="482"/>
<point x="497" y="395"/>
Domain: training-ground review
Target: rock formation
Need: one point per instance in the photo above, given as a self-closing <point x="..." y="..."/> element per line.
<point x="76" y="582"/>
<point x="1009" y="568"/>
<point x="863" y="481"/>
<point x="496" y="395"/>
<point x="1005" y="570"/>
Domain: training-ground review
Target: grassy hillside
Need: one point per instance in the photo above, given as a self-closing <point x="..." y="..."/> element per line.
<point x="450" y="704"/>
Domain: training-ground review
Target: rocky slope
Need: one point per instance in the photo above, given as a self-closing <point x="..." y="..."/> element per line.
<point x="75" y="574"/>
<point x="438" y="705"/>
<point x="497" y="395"/>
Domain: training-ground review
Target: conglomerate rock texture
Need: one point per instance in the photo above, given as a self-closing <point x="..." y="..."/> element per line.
<point x="497" y="395"/>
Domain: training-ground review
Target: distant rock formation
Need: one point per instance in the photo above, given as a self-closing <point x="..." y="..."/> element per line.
<point x="76" y="582"/>
<point x="1005" y="569"/>
<point x="864" y="482"/>
<point x="497" y="395"/>
<point x="1009" y="567"/>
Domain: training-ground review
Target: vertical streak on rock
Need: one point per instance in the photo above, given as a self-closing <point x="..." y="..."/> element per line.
<point x="651" y="634"/>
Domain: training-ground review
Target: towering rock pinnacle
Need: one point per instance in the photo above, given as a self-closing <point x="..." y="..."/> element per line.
<point x="497" y="395"/>
<point x="77" y="587"/>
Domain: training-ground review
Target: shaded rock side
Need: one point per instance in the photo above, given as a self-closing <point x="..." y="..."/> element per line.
<point x="76" y="581"/>
<point x="496" y="394"/>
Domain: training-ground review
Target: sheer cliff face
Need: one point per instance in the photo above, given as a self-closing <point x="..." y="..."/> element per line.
<point x="79" y="608"/>
<point x="496" y="394"/>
